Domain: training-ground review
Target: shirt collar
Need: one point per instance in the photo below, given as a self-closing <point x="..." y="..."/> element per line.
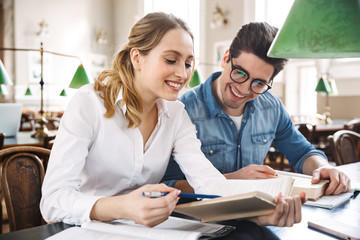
<point x="213" y="106"/>
<point x="160" y="103"/>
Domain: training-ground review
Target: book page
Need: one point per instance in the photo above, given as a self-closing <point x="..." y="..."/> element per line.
<point x="331" y="201"/>
<point x="78" y="233"/>
<point x="173" y="228"/>
<point x="271" y="186"/>
<point x="302" y="183"/>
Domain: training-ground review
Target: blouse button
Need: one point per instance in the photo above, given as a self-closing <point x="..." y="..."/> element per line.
<point x="244" y="121"/>
<point x="265" y="140"/>
<point x="231" y="123"/>
<point x="211" y="152"/>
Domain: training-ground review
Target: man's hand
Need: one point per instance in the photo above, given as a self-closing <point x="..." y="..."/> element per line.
<point x="252" y="172"/>
<point x="339" y="182"/>
<point x="286" y="214"/>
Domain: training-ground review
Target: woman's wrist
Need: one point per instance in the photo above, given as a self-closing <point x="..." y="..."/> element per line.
<point x="107" y="209"/>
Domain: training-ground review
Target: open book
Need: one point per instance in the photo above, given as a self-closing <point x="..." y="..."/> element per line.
<point x="174" y="228"/>
<point x="250" y="198"/>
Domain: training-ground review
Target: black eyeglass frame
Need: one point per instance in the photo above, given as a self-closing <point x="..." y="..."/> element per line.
<point x="248" y="77"/>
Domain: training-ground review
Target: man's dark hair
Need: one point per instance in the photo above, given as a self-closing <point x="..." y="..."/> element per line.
<point x="256" y="38"/>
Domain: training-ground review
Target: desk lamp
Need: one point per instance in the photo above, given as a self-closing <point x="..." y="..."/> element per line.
<point x="195" y="79"/>
<point x="325" y="87"/>
<point x="4" y="79"/>
<point x="319" y="29"/>
<point x="80" y="78"/>
<point x="42" y="130"/>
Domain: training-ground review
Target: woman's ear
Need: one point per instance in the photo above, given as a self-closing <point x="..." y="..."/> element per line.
<point x="225" y="58"/>
<point x="135" y="58"/>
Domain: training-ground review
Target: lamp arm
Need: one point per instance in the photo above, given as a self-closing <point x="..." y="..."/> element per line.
<point x="42" y="131"/>
<point x="39" y="50"/>
<point x="21" y="49"/>
<point x="63" y="55"/>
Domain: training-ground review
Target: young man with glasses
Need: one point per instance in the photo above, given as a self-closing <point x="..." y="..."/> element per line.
<point x="238" y="119"/>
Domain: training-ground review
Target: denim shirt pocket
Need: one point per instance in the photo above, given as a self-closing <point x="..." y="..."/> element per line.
<point x="261" y="144"/>
<point x="216" y="154"/>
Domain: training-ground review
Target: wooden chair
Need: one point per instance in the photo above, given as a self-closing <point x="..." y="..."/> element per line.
<point x="2" y="139"/>
<point x="22" y="176"/>
<point x="306" y="129"/>
<point x="345" y="146"/>
<point x="27" y="121"/>
<point x="48" y="141"/>
<point x="353" y="125"/>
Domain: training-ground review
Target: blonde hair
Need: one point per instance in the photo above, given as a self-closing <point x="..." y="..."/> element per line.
<point x="144" y="36"/>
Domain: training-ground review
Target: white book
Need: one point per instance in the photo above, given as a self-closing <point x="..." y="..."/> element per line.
<point x="174" y="228"/>
<point x="250" y="198"/>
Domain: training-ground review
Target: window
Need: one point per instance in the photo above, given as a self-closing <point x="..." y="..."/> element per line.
<point x="188" y="10"/>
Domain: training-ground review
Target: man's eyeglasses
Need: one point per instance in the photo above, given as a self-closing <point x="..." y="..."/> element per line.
<point x="238" y="75"/>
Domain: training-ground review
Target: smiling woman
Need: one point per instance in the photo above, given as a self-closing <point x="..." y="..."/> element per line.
<point x="117" y="135"/>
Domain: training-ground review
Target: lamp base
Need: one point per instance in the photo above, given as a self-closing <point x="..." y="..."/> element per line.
<point x="327" y="115"/>
<point x="41" y="131"/>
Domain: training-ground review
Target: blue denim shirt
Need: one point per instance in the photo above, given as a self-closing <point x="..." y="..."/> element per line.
<point x="265" y="121"/>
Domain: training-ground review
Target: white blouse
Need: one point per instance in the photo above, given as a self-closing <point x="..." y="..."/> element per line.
<point x="95" y="157"/>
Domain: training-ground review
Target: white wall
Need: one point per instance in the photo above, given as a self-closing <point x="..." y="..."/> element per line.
<point x="237" y="16"/>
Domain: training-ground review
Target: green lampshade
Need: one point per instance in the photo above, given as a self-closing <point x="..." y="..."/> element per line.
<point x="28" y="92"/>
<point x="319" y="29"/>
<point x="80" y="78"/>
<point x="332" y="84"/>
<point x="2" y="92"/>
<point x="4" y="76"/>
<point x="195" y="79"/>
<point x="63" y="93"/>
<point x="323" y="86"/>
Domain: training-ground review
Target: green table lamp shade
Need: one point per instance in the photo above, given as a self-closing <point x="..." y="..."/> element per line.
<point x="195" y="79"/>
<point x="28" y="92"/>
<point x="80" y="78"/>
<point x="4" y="76"/>
<point x="323" y="86"/>
<point x="319" y="29"/>
<point x="1" y="90"/>
<point x="63" y="93"/>
<point x="334" y="90"/>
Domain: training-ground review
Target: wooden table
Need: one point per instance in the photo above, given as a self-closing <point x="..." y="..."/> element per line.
<point x="25" y="139"/>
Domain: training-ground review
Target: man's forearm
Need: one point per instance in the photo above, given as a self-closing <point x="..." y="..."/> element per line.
<point x="313" y="162"/>
<point x="184" y="186"/>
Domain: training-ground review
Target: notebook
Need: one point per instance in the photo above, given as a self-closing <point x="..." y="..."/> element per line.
<point x="339" y="229"/>
<point x="10" y="118"/>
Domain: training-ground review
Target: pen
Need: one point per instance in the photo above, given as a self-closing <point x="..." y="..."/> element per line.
<point x="181" y="195"/>
<point x="271" y="174"/>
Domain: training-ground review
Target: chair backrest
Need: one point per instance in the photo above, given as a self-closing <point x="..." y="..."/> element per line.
<point x="22" y="176"/>
<point x="2" y="139"/>
<point x="306" y="129"/>
<point x="345" y="146"/>
<point x="353" y="125"/>
<point x="48" y="141"/>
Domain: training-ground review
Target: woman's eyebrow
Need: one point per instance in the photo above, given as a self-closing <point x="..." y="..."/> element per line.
<point x="177" y="53"/>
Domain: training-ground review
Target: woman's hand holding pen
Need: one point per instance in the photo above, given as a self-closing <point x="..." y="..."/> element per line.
<point x="134" y="206"/>
<point x="252" y="172"/>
